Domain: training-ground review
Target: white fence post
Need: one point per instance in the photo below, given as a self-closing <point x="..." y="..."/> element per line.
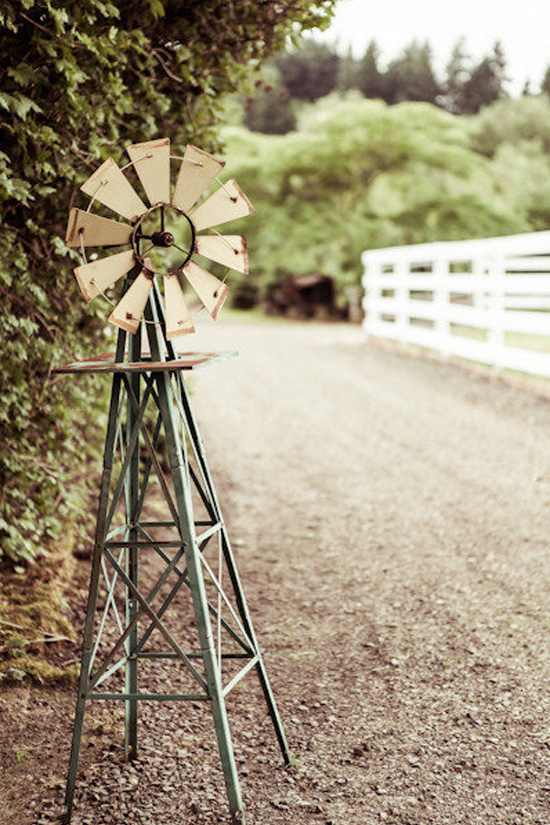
<point x="479" y="295"/>
<point x="401" y="297"/>
<point x="441" y="298"/>
<point x="496" y="311"/>
<point x="371" y="286"/>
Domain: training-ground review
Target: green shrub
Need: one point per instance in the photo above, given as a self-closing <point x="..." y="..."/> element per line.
<point x="79" y="79"/>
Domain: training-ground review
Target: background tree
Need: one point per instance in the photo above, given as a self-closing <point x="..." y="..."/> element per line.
<point x="348" y="68"/>
<point x="404" y="174"/>
<point x="310" y="71"/>
<point x="370" y="80"/>
<point x="519" y="123"/>
<point x="456" y="75"/>
<point x="78" y="80"/>
<point x="486" y="82"/>
<point x="545" y="85"/>
<point x="270" y="110"/>
<point x="411" y="76"/>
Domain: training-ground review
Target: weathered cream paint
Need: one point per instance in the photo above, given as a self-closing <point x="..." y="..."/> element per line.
<point x="95" y="277"/>
<point x="210" y="289"/>
<point x="109" y="186"/>
<point x="228" y="250"/>
<point x="178" y="319"/>
<point x="87" y="229"/>
<point x="152" y="165"/>
<point x="129" y="310"/>
<point x="198" y="170"/>
<point x="226" y="204"/>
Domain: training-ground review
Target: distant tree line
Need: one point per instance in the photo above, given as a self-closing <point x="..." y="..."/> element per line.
<point x="363" y="174"/>
<point x="315" y="69"/>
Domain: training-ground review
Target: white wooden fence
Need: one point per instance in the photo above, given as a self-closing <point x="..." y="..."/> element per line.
<point x="485" y="300"/>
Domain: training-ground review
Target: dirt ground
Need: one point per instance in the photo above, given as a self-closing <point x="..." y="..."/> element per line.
<point x="390" y="517"/>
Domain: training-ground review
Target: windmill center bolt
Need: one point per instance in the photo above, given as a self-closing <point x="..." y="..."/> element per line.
<point x="163" y="238"/>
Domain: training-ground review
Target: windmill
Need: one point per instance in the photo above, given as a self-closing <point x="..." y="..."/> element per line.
<point x="110" y="187"/>
<point x="187" y="550"/>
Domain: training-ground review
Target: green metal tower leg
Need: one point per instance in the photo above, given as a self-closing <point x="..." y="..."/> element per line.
<point x="132" y="562"/>
<point x="94" y="585"/>
<point x="196" y="441"/>
<point x="182" y="490"/>
<point x="216" y="514"/>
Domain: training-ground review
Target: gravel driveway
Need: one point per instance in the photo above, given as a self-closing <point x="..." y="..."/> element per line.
<point x="395" y="517"/>
<point x="391" y="522"/>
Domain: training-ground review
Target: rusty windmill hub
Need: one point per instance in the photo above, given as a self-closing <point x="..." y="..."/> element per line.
<point x="163" y="239"/>
<point x="165" y="236"/>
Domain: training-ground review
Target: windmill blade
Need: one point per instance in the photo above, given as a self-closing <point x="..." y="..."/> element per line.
<point x="228" y="250"/>
<point x="198" y="170"/>
<point x="87" y="229"/>
<point x="129" y="310"/>
<point x="152" y="163"/>
<point x="178" y="319"/>
<point x="210" y="289"/>
<point x="96" y="276"/>
<point x="227" y="204"/>
<point x="109" y="186"/>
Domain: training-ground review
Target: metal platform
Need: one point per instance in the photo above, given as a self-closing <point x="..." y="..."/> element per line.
<point x="109" y="364"/>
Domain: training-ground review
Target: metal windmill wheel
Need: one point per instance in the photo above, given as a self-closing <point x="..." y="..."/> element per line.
<point x="162" y="239"/>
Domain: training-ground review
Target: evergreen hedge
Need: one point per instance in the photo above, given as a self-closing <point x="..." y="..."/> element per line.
<point x="79" y="80"/>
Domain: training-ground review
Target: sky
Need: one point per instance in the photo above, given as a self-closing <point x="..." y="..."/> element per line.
<point x="523" y="27"/>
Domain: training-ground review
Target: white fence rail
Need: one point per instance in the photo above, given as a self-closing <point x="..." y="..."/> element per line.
<point x="485" y="300"/>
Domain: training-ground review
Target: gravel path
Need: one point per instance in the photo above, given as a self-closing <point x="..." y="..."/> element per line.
<point x="390" y="516"/>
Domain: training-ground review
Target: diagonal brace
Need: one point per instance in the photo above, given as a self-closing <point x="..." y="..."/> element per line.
<point x="154" y="618"/>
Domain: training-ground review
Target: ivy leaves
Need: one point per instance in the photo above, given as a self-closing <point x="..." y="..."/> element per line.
<point x="79" y="79"/>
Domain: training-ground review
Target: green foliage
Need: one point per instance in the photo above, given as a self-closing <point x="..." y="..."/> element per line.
<point x="411" y="76"/>
<point x="371" y="82"/>
<point x="522" y="180"/>
<point x="514" y="122"/>
<point x="270" y="110"/>
<point x="362" y="174"/>
<point x="310" y="71"/>
<point x="486" y="82"/>
<point x="348" y="73"/>
<point x="79" y="79"/>
<point x="456" y="76"/>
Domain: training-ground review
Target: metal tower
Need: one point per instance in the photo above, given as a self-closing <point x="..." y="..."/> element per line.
<point x="151" y="424"/>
